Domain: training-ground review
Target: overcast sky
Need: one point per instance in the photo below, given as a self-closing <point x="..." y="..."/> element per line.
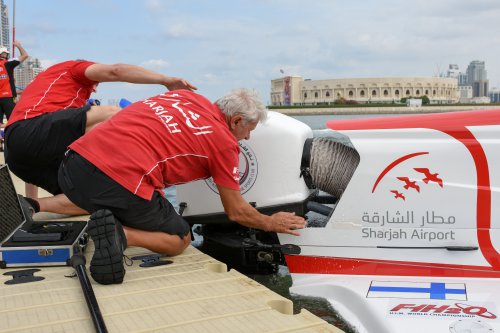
<point x="226" y="44"/>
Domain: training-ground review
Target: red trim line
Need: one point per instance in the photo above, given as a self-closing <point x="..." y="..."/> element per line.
<point x="352" y="266"/>
<point x="445" y="121"/>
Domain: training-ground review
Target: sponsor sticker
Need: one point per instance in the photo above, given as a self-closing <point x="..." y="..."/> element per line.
<point x="443" y="310"/>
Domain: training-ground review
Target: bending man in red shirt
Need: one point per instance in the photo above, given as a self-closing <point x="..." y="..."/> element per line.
<point x="53" y="113"/>
<point x="118" y="170"/>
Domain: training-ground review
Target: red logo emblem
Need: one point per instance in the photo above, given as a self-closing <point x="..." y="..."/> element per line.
<point x="408" y="183"/>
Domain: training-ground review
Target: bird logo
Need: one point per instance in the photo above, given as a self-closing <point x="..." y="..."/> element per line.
<point x="429" y="177"/>
<point x="398" y="195"/>
<point x="409" y="184"/>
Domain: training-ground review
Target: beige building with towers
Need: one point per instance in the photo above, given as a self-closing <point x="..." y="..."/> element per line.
<point x="294" y="90"/>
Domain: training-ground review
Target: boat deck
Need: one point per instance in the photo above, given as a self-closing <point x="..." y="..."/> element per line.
<point x="195" y="293"/>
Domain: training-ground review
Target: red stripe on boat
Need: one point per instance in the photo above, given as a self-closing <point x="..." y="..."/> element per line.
<point x="352" y="266"/>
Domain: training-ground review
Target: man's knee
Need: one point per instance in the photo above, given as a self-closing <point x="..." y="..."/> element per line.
<point x="182" y="244"/>
<point x="107" y="111"/>
<point x="99" y="113"/>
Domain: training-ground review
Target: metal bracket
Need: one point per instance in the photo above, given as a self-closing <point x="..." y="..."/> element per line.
<point x="286" y="249"/>
<point x="23" y="276"/>
<point x="152" y="260"/>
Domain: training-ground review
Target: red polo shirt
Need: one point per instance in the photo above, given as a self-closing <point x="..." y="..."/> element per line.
<point x="169" y="139"/>
<point x="59" y="87"/>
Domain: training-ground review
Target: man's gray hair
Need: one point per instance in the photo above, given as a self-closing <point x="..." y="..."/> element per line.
<point x="243" y="102"/>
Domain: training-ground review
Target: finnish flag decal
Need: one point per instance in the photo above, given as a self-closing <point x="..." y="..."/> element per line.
<point x="425" y="290"/>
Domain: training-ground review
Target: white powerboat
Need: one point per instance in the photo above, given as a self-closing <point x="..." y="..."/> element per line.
<point x="410" y="235"/>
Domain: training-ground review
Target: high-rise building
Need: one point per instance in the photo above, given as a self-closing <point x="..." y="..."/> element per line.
<point x="476" y="71"/>
<point x="26" y="71"/>
<point x="477" y="78"/>
<point x="462" y="79"/>
<point x="4" y="25"/>
<point x="495" y="95"/>
<point x="453" y="71"/>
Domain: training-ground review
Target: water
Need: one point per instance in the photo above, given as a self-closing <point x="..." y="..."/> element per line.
<point x="318" y="122"/>
<point x="280" y="283"/>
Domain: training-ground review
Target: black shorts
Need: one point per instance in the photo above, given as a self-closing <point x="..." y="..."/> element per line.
<point x="34" y="148"/>
<point x="6" y="106"/>
<point x="89" y="188"/>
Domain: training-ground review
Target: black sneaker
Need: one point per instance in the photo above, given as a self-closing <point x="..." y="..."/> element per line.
<point x="28" y="209"/>
<point x="106" y="266"/>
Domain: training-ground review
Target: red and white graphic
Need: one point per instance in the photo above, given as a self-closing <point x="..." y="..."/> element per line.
<point x="430" y="177"/>
<point x="398" y="195"/>
<point x="409" y="184"/>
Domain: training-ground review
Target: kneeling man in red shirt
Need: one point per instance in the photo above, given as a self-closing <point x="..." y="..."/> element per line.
<point x="117" y="172"/>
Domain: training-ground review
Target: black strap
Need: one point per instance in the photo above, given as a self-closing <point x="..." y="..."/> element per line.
<point x="305" y="163"/>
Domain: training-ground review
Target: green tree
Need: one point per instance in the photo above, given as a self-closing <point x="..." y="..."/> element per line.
<point x="340" y="100"/>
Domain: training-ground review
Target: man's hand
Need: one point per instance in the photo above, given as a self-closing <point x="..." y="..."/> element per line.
<point x="174" y="83"/>
<point x="24" y="55"/>
<point x="238" y="210"/>
<point x="287" y="223"/>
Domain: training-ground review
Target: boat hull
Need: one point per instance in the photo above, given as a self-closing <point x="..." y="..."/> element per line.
<point x="394" y="304"/>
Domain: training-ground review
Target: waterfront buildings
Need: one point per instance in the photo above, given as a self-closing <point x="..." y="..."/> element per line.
<point x="294" y="90"/>
<point x="473" y="85"/>
<point x="454" y="72"/>
<point x="477" y="78"/>
<point x="465" y="93"/>
<point x="26" y="71"/>
<point x="495" y="95"/>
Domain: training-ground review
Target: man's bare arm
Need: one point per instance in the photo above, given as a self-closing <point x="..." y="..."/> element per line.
<point x="134" y="74"/>
<point x="24" y="55"/>
<point x="240" y="211"/>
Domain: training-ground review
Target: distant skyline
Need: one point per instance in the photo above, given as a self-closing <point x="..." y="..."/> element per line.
<point x="223" y="45"/>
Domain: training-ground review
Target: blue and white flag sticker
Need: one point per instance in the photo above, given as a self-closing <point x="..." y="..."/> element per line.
<point x="423" y="290"/>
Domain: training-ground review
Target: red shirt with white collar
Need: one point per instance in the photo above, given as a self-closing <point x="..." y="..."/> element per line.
<point x="169" y="139"/>
<point x="59" y="87"/>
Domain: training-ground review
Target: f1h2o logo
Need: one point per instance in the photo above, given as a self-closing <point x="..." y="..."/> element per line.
<point x="248" y="170"/>
<point x="457" y="309"/>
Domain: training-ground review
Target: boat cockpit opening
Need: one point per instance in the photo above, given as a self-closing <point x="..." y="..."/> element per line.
<point x="328" y="164"/>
